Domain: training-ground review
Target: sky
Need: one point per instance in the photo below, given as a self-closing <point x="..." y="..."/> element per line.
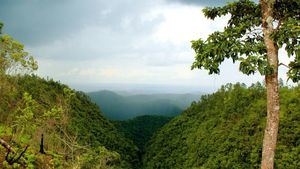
<point x="120" y="44"/>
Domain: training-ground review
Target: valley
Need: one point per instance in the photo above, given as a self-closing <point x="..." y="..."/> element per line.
<point x="82" y="135"/>
<point x="164" y="84"/>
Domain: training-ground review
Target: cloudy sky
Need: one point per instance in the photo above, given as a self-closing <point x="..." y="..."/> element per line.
<point x="118" y="44"/>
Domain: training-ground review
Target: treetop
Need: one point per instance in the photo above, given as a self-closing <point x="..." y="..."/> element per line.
<point x="242" y="38"/>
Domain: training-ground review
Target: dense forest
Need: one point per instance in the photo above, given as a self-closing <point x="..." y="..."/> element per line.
<point x="225" y="130"/>
<point x="75" y="132"/>
<point x="47" y="124"/>
<point x="140" y="129"/>
<point x="222" y="130"/>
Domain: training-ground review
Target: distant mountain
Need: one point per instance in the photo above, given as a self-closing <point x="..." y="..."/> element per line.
<point x="122" y="107"/>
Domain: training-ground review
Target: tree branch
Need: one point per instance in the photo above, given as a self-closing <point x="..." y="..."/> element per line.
<point x="282" y="64"/>
<point x="22" y="153"/>
<point x="6" y="157"/>
<point x="11" y="150"/>
<point x="6" y="146"/>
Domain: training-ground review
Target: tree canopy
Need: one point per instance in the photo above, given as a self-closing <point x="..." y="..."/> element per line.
<point x="253" y="36"/>
<point x="13" y="57"/>
<point x="225" y="130"/>
<point x="242" y="39"/>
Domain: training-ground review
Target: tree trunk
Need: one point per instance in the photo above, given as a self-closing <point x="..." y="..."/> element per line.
<point x="42" y="151"/>
<point x="273" y="106"/>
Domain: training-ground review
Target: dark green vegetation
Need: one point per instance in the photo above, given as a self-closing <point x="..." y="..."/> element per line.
<point x="75" y="131"/>
<point x="140" y="129"/>
<point x="45" y="124"/>
<point x="245" y="40"/>
<point x="49" y="125"/>
<point x="118" y="107"/>
<point x="225" y="130"/>
<point x="253" y="35"/>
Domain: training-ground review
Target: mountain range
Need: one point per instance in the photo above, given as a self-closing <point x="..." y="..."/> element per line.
<point x="121" y="107"/>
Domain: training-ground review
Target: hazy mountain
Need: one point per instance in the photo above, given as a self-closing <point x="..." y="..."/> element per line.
<point x="120" y="107"/>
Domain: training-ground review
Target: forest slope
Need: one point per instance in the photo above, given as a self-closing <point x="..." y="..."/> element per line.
<point x="225" y="130"/>
<point x="140" y="129"/>
<point x="75" y="131"/>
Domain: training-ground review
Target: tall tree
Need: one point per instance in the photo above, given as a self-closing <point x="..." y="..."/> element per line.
<point x="253" y="36"/>
<point x="14" y="60"/>
<point x="13" y="57"/>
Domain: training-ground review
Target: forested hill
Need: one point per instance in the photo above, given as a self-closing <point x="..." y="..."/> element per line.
<point x="76" y="134"/>
<point x="225" y="130"/>
<point x="120" y="107"/>
<point x="222" y="130"/>
<point x="140" y="129"/>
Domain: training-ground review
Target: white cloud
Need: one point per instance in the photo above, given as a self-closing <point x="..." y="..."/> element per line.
<point x="148" y="46"/>
<point x="183" y="23"/>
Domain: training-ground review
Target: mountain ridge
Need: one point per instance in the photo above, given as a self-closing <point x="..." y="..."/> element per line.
<point x="119" y="107"/>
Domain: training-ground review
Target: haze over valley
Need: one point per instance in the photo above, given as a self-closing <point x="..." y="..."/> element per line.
<point x="116" y="106"/>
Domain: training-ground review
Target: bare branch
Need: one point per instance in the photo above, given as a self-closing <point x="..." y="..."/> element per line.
<point x="6" y="157"/>
<point x="282" y="64"/>
<point x="22" y="153"/>
<point x="10" y="150"/>
<point x="6" y="146"/>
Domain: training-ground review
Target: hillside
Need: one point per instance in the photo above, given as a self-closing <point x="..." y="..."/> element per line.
<point x="75" y="131"/>
<point x="118" y="107"/>
<point x="140" y="129"/>
<point x="222" y="130"/>
<point x="225" y="130"/>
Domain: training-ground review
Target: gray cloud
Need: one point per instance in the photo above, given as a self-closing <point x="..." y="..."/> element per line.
<point x="98" y="41"/>
<point x="210" y="3"/>
<point x="203" y="2"/>
<point x="41" y="22"/>
<point x="76" y="29"/>
<point x="36" y="22"/>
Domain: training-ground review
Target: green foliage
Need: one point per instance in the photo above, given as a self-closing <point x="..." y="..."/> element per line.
<point x="95" y="130"/>
<point x="141" y="128"/>
<point x="242" y="38"/>
<point x="24" y="122"/>
<point x="99" y="158"/>
<point x="1" y="26"/>
<point x="288" y="36"/>
<point x="13" y="58"/>
<point x="73" y="126"/>
<point x="225" y="130"/>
